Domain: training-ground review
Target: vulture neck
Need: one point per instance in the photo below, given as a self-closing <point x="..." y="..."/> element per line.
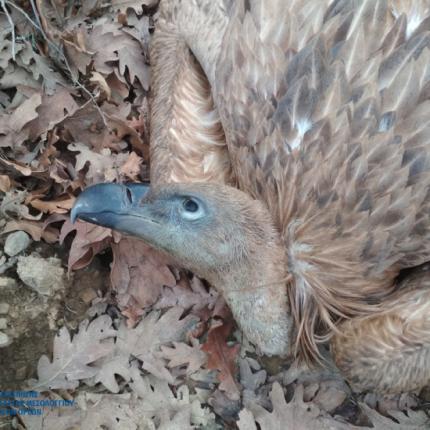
<point x="254" y="283"/>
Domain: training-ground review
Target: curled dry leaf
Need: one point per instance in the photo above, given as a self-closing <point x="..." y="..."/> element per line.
<point x="98" y="79"/>
<point x="36" y="229"/>
<point x="90" y="240"/>
<point x="17" y="167"/>
<point x="131" y="168"/>
<point x="222" y="357"/>
<point x="61" y="206"/>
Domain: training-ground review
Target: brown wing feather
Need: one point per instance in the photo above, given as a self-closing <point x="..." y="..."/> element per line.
<point x="328" y="122"/>
<point x="390" y="352"/>
<point x="326" y="112"/>
<point x="187" y="138"/>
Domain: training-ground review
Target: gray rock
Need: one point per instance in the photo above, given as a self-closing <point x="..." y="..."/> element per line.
<point x="6" y="282"/>
<point x="16" y="243"/>
<point x="4" y="308"/>
<point x="44" y="275"/>
<point x="3" y="323"/>
<point x="4" y="340"/>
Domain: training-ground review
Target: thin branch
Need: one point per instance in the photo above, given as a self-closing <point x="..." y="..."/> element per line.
<point x="60" y="53"/>
<point x="12" y="27"/>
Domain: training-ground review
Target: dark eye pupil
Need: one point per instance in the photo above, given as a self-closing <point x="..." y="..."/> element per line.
<point x="191" y="205"/>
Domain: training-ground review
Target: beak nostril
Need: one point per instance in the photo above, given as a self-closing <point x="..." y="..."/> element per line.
<point x="129" y="195"/>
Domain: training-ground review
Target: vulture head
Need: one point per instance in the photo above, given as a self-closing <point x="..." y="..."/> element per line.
<point x="216" y="231"/>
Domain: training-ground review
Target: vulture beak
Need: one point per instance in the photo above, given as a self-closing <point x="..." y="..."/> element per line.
<point x="111" y="205"/>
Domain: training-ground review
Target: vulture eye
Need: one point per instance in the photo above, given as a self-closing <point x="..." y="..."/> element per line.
<point x="191" y="209"/>
<point x="190" y="205"/>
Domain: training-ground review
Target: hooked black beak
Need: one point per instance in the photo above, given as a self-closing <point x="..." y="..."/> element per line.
<point x="112" y="205"/>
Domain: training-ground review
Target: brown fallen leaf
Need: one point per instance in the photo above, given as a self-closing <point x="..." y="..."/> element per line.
<point x="5" y="183"/>
<point x="99" y="80"/>
<point x="52" y="110"/>
<point x="138" y="273"/>
<point x="71" y="357"/>
<point x="60" y="206"/>
<point x="188" y="294"/>
<point x="222" y="357"/>
<point x="295" y="415"/>
<point x="36" y="229"/>
<point x="90" y="240"/>
<point x="11" y="126"/>
<point x="131" y="168"/>
<point x="19" y="168"/>
<point x="182" y="354"/>
<point x="411" y="420"/>
<point x="78" y="56"/>
<point x="328" y="395"/>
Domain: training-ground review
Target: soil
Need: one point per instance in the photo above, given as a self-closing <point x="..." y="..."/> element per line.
<point x="33" y="320"/>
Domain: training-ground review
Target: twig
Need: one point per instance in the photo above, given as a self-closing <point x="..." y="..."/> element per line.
<point x="36" y="15"/>
<point x="60" y="53"/>
<point x="12" y="27"/>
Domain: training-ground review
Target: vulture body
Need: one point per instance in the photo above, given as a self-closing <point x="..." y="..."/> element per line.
<point x="290" y="167"/>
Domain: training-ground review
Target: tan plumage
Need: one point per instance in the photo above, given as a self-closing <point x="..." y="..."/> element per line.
<point x="326" y="112"/>
<point x="291" y="168"/>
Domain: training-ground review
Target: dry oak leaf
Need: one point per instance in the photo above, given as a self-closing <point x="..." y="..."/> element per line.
<point x="17" y="168"/>
<point x="138" y="273"/>
<point x="72" y="357"/>
<point x="182" y="354"/>
<point x="126" y="412"/>
<point x="143" y="342"/>
<point x="155" y="330"/>
<point x="93" y="411"/>
<point x="295" y="415"/>
<point x="53" y="109"/>
<point x="106" y="39"/>
<point x="60" y="206"/>
<point x="162" y="403"/>
<point x="36" y="229"/>
<point x="411" y="420"/>
<point x="103" y="166"/>
<point x="41" y="69"/>
<point x="188" y="294"/>
<point x="12" y="132"/>
<point x="111" y="44"/>
<point x="90" y="240"/>
<point x="131" y="168"/>
<point x="78" y="56"/>
<point x="222" y="357"/>
<point x="99" y="80"/>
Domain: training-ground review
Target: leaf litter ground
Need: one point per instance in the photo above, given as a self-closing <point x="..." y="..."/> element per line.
<point x="136" y="343"/>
